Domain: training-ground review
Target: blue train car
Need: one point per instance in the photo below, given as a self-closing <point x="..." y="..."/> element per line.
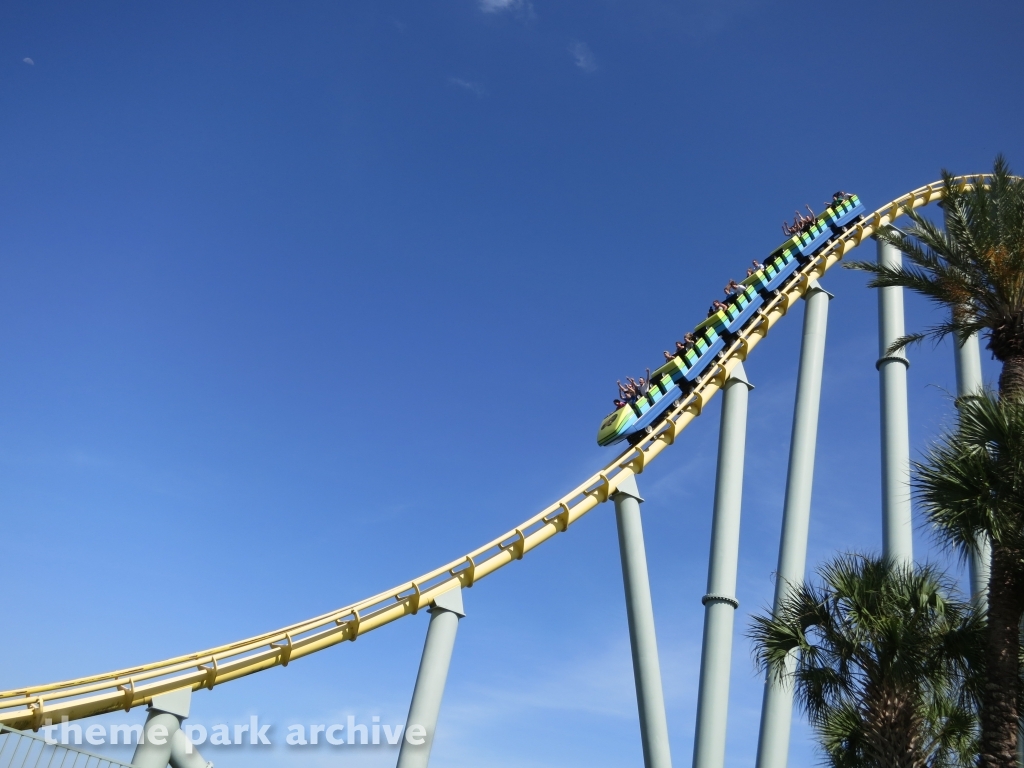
<point x="674" y="379"/>
<point x="840" y="216"/>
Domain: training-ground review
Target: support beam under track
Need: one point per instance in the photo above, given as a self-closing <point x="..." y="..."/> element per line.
<point x="777" y="707"/>
<point x="445" y="613"/>
<point x="720" y="601"/>
<point x="897" y="525"/>
<point x="970" y="381"/>
<point x="642" y="640"/>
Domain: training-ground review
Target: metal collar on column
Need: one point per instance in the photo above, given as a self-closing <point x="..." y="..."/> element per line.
<point x="720" y="599"/>
<point x="891" y="359"/>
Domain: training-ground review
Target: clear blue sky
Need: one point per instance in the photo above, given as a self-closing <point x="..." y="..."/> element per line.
<point x="300" y="300"/>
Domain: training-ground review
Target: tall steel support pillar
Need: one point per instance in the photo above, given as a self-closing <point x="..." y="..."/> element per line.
<point x="162" y="739"/>
<point x="640" y="612"/>
<point x="720" y="602"/>
<point x="184" y="754"/>
<point x="897" y="525"/>
<point x="777" y="708"/>
<point x="154" y="748"/>
<point x="445" y="612"/>
<point x="969" y="381"/>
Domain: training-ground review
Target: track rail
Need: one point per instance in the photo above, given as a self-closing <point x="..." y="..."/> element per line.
<point x="136" y="686"/>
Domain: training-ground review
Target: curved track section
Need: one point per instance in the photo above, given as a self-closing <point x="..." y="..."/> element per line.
<point x="127" y="688"/>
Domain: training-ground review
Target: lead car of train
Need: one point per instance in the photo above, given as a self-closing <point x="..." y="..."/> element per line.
<point x="674" y="379"/>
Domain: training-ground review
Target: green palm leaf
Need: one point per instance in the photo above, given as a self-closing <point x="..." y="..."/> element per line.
<point x="973" y="269"/>
<point x="882" y="660"/>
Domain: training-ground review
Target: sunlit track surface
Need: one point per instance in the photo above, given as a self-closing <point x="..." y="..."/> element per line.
<point x="127" y="688"/>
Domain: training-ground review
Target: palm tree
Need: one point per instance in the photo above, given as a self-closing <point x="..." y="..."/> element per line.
<point x="883" y="664"/>
<point x="974" y="269"/>
<point x="972" y="482"/>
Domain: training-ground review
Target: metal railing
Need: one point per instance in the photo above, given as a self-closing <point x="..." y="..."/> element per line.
<point x="26" y="750"/>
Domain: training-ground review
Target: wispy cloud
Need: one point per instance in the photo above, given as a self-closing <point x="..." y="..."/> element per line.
<point x="568" y="686"/>
<point x="520" y="7"/>
<point x="567" y="691"/>
<point x="475" y="88"/>
<point x="29" y="61"/>
<point x="583" y="56"/>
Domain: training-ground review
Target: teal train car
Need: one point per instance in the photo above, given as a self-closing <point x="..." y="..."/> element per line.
<point x="676" y="378"/>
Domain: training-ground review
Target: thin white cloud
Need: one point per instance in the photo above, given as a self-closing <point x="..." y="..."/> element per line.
<point x="519" y="7"/>
<point x="29" y="61"/>
<point x="475" y="88"/>
<point x="583" y="56"/>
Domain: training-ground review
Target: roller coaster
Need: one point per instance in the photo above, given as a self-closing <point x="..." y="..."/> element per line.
<point x="726" y="341"/>
<point x="674" y="379"/>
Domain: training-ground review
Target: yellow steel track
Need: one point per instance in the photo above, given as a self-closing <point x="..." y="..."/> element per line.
<point x="127" y="688"/>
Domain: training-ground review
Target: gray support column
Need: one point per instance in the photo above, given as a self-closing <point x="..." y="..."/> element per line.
<point x="777" y="708"/>
<point x="968" y="366"/>
<point x="897" y="525"/>
<point x="445" y="612"/>
<point x="720" y="602"/>
<point x="640" y="612"/>
<point x="969" y="381"/>
<point x="162" y="724"/>
<point x="184" y="754"/>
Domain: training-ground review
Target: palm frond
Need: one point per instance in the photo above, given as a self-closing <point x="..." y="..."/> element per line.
<point x="879" y="656"/>
<point x="971" y="481"/>
<point x="973" y="267"/>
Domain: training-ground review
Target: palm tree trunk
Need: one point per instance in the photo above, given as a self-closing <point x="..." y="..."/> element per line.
<point x="896" y="741"/>
<point x="892" y="727"/>
<point x="1011" y="380"/>
<point x="999" y="718"/>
